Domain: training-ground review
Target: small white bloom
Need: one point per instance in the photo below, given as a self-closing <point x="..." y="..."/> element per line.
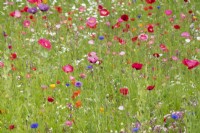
<point x="121" y="107"/>
<point x="187" y="40"/>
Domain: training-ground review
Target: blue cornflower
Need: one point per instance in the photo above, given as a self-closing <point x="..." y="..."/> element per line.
<point x="158" y="7"/>
<point x="175" y="116"/>
<point x="34" y="125"/>
<point x="135" y="129"/>
<point x="67" y="84"/>
<point x="89" y="67"/>
<point x="139" y="16"/>
<point x="101" y="37"/>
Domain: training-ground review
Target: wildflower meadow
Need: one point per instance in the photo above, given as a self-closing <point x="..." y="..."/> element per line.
<point x="99" y="66"/>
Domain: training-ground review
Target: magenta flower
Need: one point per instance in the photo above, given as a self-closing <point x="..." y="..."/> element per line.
<point x="68" y="123"/>
<point x="168" y="12"/>
<point x="1" y="64"/>
<point x="26" y="23"/>
<point x="45" y="43"/>
<point x="91" y="22"/>
<point x="92" y="57"/>
<point x="185" y="34"/>
<point x="68" y="68"/>
<point x="190" y="63"/>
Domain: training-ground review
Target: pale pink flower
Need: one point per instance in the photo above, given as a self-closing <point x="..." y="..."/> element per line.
<point x="175" y="58"/>
<point x="143" y="37"/>
<point x="1" y="64"/>
<point x="69" y="123"/>
<point x="182" y="15"/>
<point x="185" y="34"/>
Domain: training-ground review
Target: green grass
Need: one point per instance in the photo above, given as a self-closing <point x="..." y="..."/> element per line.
<point x="23" y="101"/>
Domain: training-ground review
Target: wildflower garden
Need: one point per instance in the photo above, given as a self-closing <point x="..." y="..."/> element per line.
<point x="99" y="66"/>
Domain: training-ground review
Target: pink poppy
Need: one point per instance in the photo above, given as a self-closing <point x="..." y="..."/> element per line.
<point x="26" y="23"/>
<point x="15" y="14"/>
<point x="35" y="1"/>
<point x="68" y="123"/>
<point x="81" y="9"/>
<point x="104" y="12"/>
<point x="1" y="64"/>
<point x="163" y="48"/>
<point x="143" y="37"/>
<point x="91" y="22"/>
<point x="185" y="34"/>
<point x="45" y="43"/>
<point x="168" y="12"/>
<point x="92" y="57"/>
<point x="68" y="68"/>
<point x="190" y="63"/>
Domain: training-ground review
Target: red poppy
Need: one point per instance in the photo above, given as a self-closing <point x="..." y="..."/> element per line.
<point x="117" y="25"/>
<point x="13" y="56"/>
<point x="137" y="66"/>
<point x="150" y="7"/>
<point x="156" y="55"/>
<point x="134" y="39"/>
<point x="151" y="87"/>
<point x="150" y="29"/>
<point x="11" y="127"/>
<point x="58" y="9"/>
<point x="163" y="48"/>
<point x="190" y="63"/>
<point x="124" y="17"/>
<point x="150" y="1"/>
<point x="100" y="7"/>
<point x="104" y="12"/>
<point x="124" y="91"/>
<point x="76" y="93"/>
<point x="50" y="99"/>
<point x="177" y="27"/>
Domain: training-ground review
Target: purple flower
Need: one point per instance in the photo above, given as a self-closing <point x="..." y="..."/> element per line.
<point x="78" y="84"/>
<point x="32" y="10"/>
<point x="43" y="7"/>
<point x="135" y="129"/>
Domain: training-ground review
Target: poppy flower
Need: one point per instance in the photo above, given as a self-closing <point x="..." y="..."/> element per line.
<point x="78" y="84"/>
<point x="150" y="29"/>
<point x="26" y="23"/>
<point x="190" y="63"/>
<point x="68" y="68"/>
<point x="177" y="27"/>
<point x="134" y="39"/>
<point x="124" y="91"/>
<point x="34" y="125"/>
<point x="58" y="9"/>
<point x="137" y="66"/>
<point x="1" y="64"/>
<point x="76" y="93"/>
<point x="117" y="25"/>
<point x="92" y="57"/>
<point x="156" y="55"/>
<point x="185" y="34"/>
<point x="45" y="43"/>
<point x="68" y="123"/>
<point x="151" y="87"/>
<point x="11" y="127"/>
<point x="50" y="99"/>
<point x="25" y="9"/>
<point x="104" y="12"/>
<point x="150" y="1"/>
<point x="91" y="22"/>
<point x="35" y="1"/>
<point x="43" y="7"/>
<point x="15" y="14"/>
<point x="78" y="104"/>
<point x="13" y="56"/>
<point x="32" y="10"/>
<point x="168" y="12"/>
<point x="124" y="17"/>
<point x="163" y="48"/>
<point x="143" y="37"/>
